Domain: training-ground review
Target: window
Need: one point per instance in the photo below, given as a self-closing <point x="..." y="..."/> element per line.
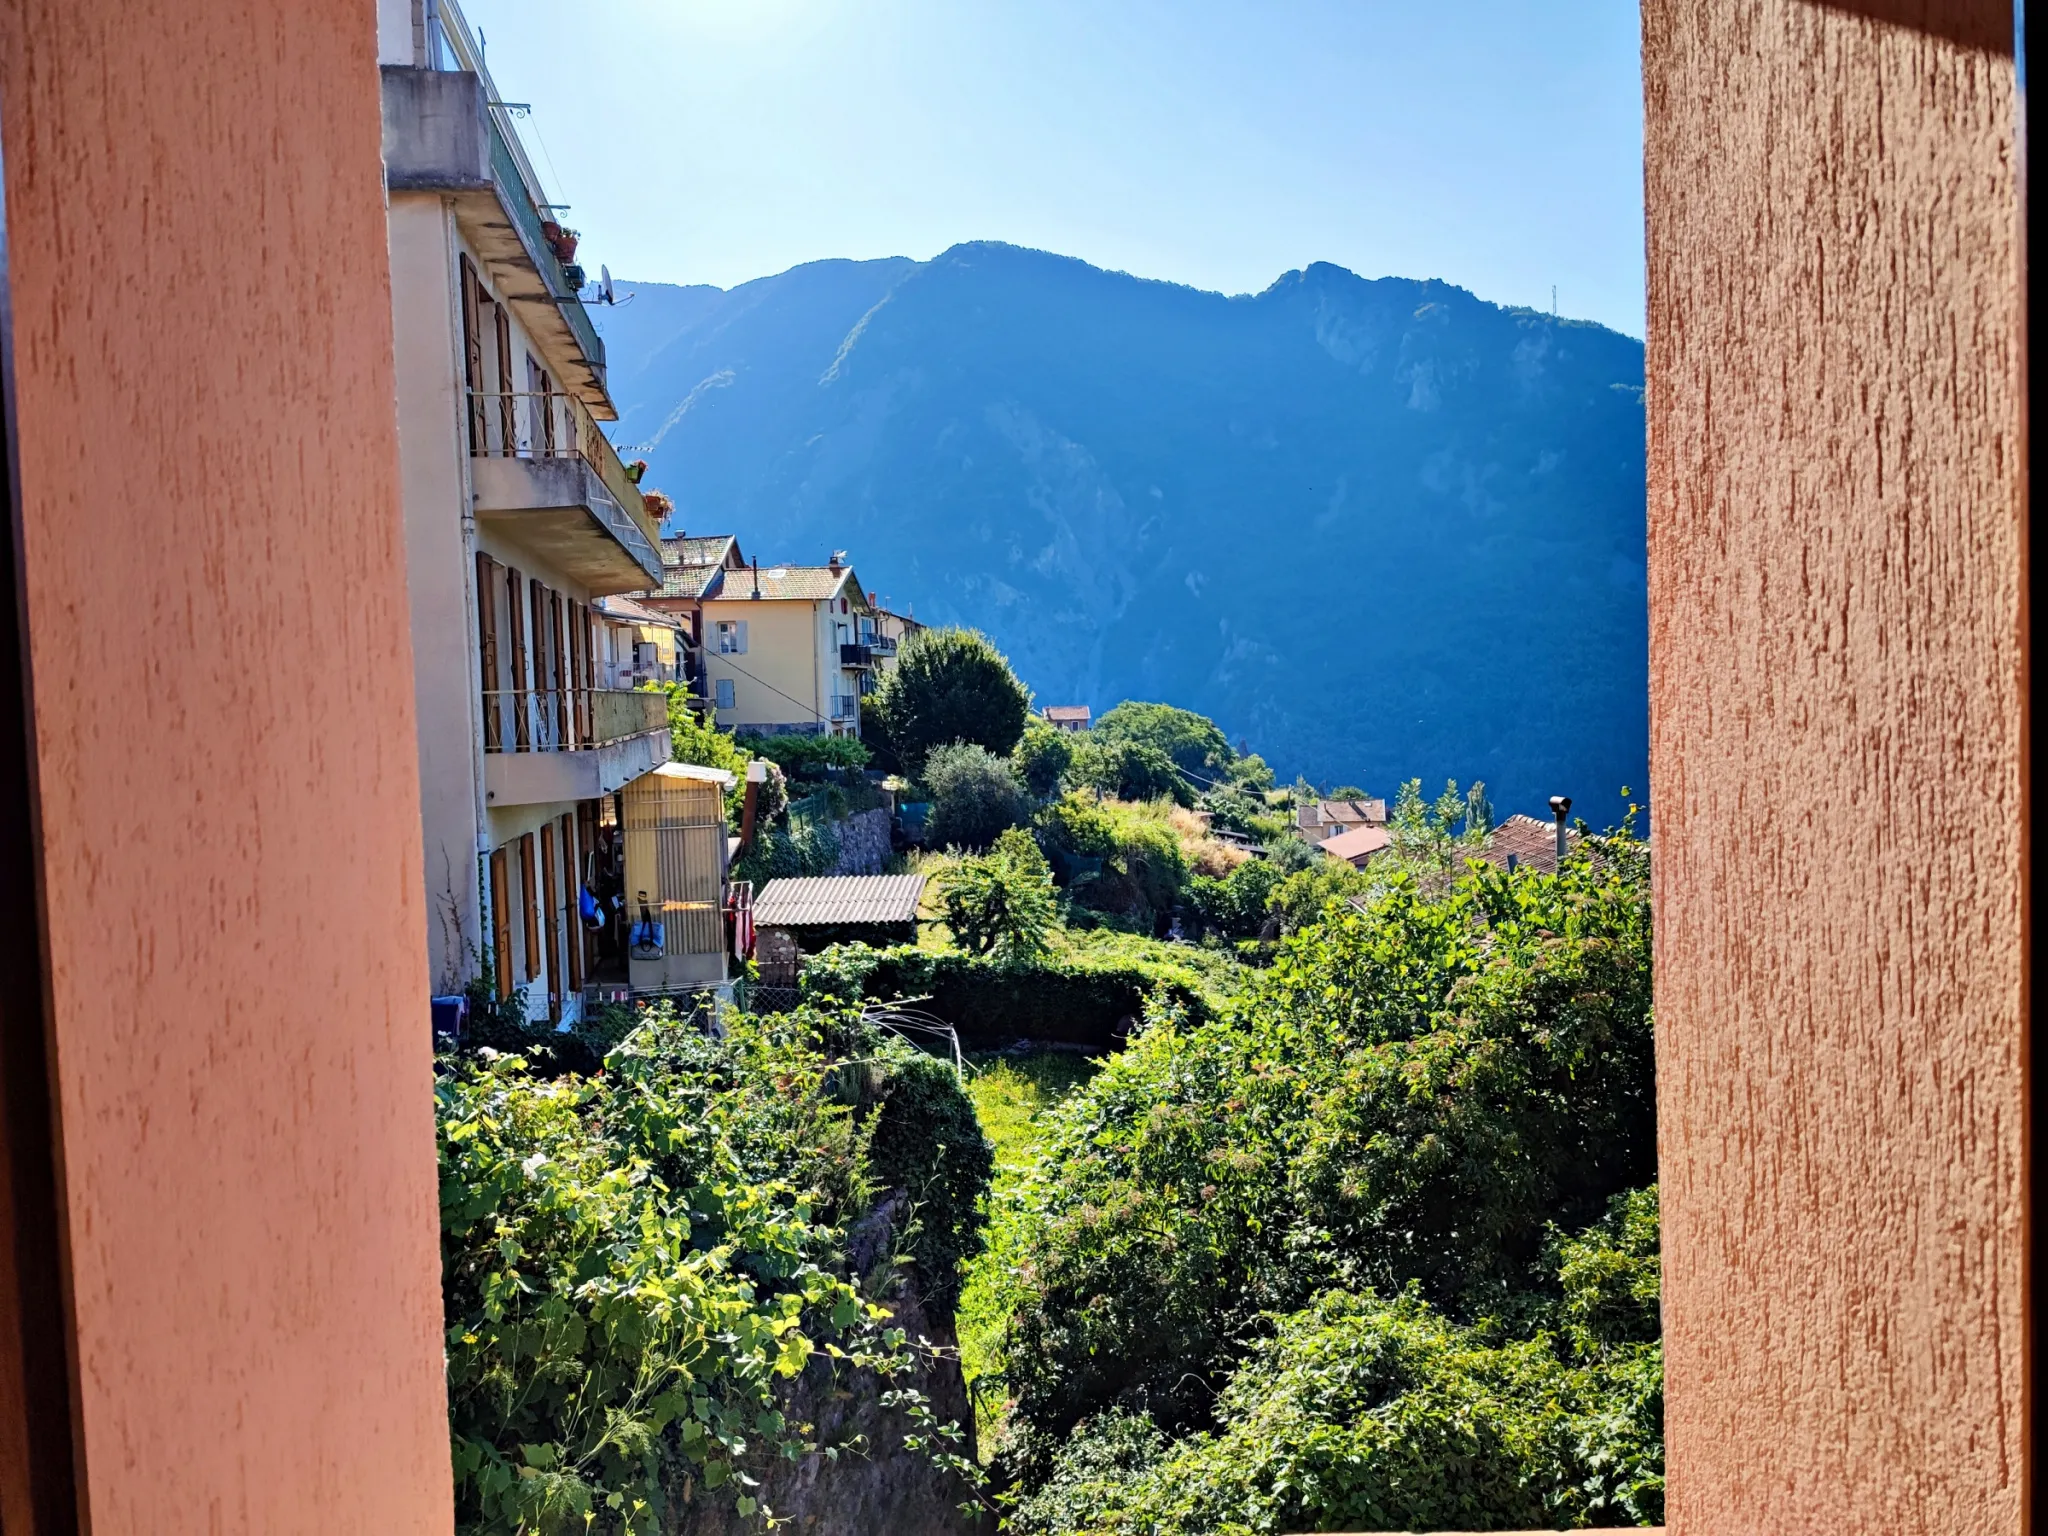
<point x="731" y="637"/>
<point x="725" y="693"/>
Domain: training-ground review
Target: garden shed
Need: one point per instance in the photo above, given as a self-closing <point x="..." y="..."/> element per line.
<point x="841" y="909"/>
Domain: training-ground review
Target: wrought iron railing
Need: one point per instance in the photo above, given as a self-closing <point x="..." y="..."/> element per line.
<point x="856" y="655"/>
<point x="569" y="719"/>
<point x="845" y="706"/>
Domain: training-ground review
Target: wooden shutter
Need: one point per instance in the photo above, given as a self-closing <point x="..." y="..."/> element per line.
<point x="739" y="638"/>
<point x="579" y="663"/>
<point x="551" y="919"/>
<point x="487" y="650"/>
<point x="532" y="912"/>
<point x="501" y="923"/>
<point x="508" y="419"/>
<point x="572" y="914"/>
<point x="473" y="352"/>
<point x="558" y="669"/>
<point x="515" y="590"/>
<point x="537" y="596"/>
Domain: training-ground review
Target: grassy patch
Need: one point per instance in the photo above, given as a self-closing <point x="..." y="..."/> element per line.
<point x="1012" y="1095"/>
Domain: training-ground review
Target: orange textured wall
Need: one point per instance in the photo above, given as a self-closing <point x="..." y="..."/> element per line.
<point x="1836" y="478"/>
<point x="217" y="606"/>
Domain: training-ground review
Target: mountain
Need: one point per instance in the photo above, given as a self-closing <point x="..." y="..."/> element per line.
<point x="1378" y="528"/>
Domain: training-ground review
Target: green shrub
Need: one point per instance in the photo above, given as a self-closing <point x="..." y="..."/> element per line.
<point x="1301" y="898"/>
<point x="948" y="685"/>
<point x="1000" y="904"/>
<point x="1075" y="1001"/>
<point x="1235" y="905"/>
<point x="807" y="756"/>
<point x="804" y="848"/>
<point x="696" y="738"/>
<point x="928" y="1143"/>
<point x="974" y="797"/>
<point x="1113" y="856"/>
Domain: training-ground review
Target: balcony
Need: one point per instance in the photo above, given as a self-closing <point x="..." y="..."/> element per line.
<point x="545" y="475"/>
<point x="447" y="131"/>
<point x="845" y="707"/>
<point x="856" y="656"/>
<point x="883" y="645"/>
<point x="543" y="745"/>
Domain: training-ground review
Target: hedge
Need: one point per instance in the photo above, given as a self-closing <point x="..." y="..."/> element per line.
<point x="1074" y="1002"/>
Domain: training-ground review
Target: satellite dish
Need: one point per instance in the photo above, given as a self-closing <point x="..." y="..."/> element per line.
<point x="604" y="282"/>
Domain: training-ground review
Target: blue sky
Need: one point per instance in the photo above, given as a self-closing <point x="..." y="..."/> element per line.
<point x="1493" y="143"/>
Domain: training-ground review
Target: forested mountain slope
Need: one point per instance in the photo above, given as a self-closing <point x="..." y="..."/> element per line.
<point x="1383" y="528"/>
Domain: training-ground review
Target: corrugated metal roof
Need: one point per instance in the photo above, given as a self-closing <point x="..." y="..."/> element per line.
<point x="838" y="899"/>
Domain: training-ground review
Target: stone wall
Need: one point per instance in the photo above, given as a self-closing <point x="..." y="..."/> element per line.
<point x="864" y="846"/>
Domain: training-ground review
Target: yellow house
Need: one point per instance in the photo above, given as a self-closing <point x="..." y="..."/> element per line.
<point x="788" y="649"/>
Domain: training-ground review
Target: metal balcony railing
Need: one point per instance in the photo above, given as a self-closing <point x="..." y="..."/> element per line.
<point x="569" y="719"/>
<point x="883" y="645"/>
<point x="845" y="706"/>
<point x="551" y="424"/>
<point x="856" y="655"/>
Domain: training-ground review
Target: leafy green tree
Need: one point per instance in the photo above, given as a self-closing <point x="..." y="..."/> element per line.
<point x="1115" y="858"/>
<point x="1001" y="903"/>
<point x="1042" y="758"/>
<point x="1196" y="743"/>
<point x="1347" y="792"/>
<point x="1128" y="770"/>
<point x="695" y="738"/>
<point x="1250" y="774"/>
<point x="948" y="685"/>
<point x="975" y="797"/>
<point x="801" y="755"/>
<point x="1302" y="898"/>
<point x="1478" y="815"/>
<point x="1237" y="904"/>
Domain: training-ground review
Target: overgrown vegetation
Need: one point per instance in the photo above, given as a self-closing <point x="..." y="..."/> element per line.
<point x="639" y="1264"/>
<point x="1335" y="1210"/>
<point x="948" y="686"/>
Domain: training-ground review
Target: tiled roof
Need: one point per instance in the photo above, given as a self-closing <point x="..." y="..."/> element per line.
<point x="1355" y="813"/>
<point x="789" y="584"/>
<point x="691" y="581"/>
<point x="1068" y="712"/>
<point x="704" y="549"/>
<point x="838" y="899"/>
<point x="1359" y="844"/>
<point x="1531" y="843"/>
<point x="626" y="609"/>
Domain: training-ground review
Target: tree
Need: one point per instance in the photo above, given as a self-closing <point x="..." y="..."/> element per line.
<point x="975" y="797"/>
<point x="1042" y="758"/>
<point x="1478" y="814"/>
<point x="1128" y="770"/>
<point x="948" y="685"/>
<point x="1000" y="903"/>
<point x="1194" y="742"/>
<point x="695" y="739"/>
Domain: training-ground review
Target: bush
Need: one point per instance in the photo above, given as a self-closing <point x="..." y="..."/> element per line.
<point x="1235" y="905"/>
<point x="1001" y="904"/>
<point x="1042" y="758"/>
<point x="928" y="1143"/>
<point x="1194" y="743"/>
<point x="636" y="1266"/>
<point x="1076" y="1001"/>
<point x="948" y="685"/>
<point x="805" y="848"/>
<point x="974" y="797"/>
<point x="1115" y="857"/>
<point x="1128" y="770"/>
<point x="808" y="756"/>
<point x="1301" y="898"/>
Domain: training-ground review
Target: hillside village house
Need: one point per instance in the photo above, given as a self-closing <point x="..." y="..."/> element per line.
<point x="1326" y="819"/>
<point x="890" y="631"/>
<point x="639" y="645"/>
<point x="1068" y="717"/>
<point x="520" y="522"/>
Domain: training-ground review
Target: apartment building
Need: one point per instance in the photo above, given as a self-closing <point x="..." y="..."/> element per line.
<point x="520" y="522"/>
<point x="786" y="649"/>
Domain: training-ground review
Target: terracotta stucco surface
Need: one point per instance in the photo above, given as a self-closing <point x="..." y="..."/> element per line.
<point x="1835" y="587"/>
<point x="224" y="704"/>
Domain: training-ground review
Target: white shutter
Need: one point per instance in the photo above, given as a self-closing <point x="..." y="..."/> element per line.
<point x="740" y="638"/>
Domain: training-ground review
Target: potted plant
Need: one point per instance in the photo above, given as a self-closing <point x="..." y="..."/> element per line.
<point x="565" y="245"/>
<point x="635" y="470"/>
